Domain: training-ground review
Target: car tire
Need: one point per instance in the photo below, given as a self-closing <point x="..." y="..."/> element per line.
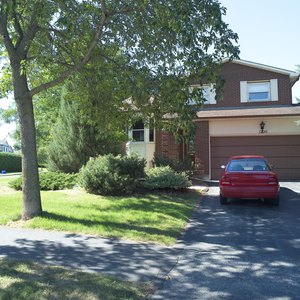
<point x="273" y="201"/>
<point x="223" y="200"/>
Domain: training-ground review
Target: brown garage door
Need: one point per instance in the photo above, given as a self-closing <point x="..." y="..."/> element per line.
<point x="282" y="151"/>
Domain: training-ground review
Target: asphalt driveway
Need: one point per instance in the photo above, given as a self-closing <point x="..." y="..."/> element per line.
<point x="244" y="250"/>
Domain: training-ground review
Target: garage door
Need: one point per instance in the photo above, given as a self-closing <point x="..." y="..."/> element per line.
<point x="282" y="151"/>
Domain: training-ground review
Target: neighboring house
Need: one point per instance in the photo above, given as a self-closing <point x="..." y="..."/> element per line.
<point x="254" y="114"/>
<point x="4" y="146"/>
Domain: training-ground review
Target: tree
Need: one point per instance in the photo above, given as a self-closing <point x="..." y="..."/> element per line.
<point x="75" y="139"/>
<point x="46" y="42"/>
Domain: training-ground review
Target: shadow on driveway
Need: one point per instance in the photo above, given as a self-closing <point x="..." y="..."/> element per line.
<point x="243" y="250"/>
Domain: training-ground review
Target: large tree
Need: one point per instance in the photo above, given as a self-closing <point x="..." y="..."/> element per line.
<point x="162" y="42"/>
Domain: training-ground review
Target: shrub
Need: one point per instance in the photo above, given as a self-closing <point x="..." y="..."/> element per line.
<point x="50" y="181"/>
<point x="185" y="165"/>
<point x="112" y="175"/>
<point x="166" y="178"/>
<point x="10" y="162"/>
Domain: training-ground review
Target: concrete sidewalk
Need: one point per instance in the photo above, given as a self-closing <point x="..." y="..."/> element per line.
<point x="122" y="259"/>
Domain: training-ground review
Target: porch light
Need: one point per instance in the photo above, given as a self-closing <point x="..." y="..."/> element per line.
<point x="262" y="127"/>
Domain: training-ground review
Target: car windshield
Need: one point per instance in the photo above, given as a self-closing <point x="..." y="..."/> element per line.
<point x="248" y="164"/>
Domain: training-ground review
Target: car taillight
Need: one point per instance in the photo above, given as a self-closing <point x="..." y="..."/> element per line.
<point x="225" y="180"/>
<point x="273" y="180"/>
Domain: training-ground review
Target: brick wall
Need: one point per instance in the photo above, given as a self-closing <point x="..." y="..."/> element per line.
<point x="166" y="145"/>
<point x="202" y="147"/>
<point x="234" y="73"/>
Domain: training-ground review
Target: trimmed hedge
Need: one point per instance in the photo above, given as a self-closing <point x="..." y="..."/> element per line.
<point x="50" y="181"/>
<point x="166" y="178"/>
<point x="10" y="162"/>
<point x="112" y="175"/>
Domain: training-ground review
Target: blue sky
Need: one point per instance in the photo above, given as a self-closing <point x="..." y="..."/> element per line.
<point x="268" y="31"/>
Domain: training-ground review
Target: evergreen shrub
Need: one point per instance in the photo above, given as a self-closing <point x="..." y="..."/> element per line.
<point x="112" y="175"/>
<point x="10" y="162"/>
<point x="50" y="181"/>
<point x="185" y="165"/>
<point x="166" y="178"/>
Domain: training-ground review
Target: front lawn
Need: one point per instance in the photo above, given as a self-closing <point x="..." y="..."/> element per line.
<point x="154" y="217"/>
<point x="25" y="280"/>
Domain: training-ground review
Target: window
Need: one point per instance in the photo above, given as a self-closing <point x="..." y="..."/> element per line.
<point x="209" y="94"/>
<point x="151" y="135"/>
<point x="254" y="91"/>
<point x="259" y="91"/>
<point x="138" y="132"/>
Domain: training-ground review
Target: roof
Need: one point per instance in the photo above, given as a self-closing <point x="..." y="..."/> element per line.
<point x="4" y="142"/>
<point x="275" y="111"/>
<point x="294" y="76"/>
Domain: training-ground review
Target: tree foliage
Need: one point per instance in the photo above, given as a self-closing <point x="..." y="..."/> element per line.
<point x="161" y="44"/>
<point x="75" y="138"/>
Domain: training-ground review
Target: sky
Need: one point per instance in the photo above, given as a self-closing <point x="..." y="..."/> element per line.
<point x="268" y="33"/>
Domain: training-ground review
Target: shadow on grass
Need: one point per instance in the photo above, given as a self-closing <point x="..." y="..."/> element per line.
<point x="25" y="280"/>
<point x="114" y="226"/>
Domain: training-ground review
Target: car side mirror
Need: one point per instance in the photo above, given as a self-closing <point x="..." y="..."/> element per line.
<point x="223" y="167"/>
<point x="272" y="167"/>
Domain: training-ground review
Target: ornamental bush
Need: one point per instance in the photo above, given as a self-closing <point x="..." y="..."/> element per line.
<point x="166" y="178"/>
<point x="112" y="175"/>
<point x="185" y="165"/>
<point x="50" y="181"/>
<point x="10" y="162"/>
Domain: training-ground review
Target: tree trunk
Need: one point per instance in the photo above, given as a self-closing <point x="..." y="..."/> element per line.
<point x="31" y="190"/>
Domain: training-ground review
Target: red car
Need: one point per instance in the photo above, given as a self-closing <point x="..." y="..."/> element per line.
<point x="249" y="177"/>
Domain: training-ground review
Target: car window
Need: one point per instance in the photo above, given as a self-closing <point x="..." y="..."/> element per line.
<point x="249" y="164"/>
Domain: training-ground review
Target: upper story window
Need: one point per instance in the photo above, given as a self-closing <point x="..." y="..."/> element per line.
<point x="255" y="91"/>
<point x="209" y="93"/>
<point x="259" y="91"/>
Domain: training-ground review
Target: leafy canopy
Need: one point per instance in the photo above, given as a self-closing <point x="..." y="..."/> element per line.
<point x="148" y="49"/>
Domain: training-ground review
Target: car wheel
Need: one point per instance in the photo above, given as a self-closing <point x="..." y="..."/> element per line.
<point x="274" y="201"/>
<point x="223" y="200"/>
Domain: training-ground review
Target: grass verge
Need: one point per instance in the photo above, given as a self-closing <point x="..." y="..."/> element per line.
<point x="154" y="217"/>
<point x="26" y="280"/>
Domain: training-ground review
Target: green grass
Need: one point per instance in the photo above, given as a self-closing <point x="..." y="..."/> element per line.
<point x="26" y="280"/>
<point x="158" y="218"/>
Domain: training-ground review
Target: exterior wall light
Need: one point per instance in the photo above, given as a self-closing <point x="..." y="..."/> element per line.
<point x="262" y="127"/>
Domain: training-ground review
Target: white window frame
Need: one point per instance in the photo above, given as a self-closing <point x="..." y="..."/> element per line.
<point x="273" y="90"/>
<point x="211" y="94"/>
<point x="147" y="133"/>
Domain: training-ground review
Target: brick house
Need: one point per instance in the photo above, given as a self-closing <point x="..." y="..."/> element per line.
<point x="254" y="114"/>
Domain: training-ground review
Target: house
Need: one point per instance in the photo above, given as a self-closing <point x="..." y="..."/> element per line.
<point x="254" y="114"/>
<point x="5" y="147"/>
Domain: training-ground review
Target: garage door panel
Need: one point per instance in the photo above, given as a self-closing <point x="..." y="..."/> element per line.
<point x="269" y="151"/>
<point x="282" y="151"/>
<point x="259" y="141"/>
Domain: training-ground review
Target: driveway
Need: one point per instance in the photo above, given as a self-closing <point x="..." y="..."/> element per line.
<point x="244" y="250"/>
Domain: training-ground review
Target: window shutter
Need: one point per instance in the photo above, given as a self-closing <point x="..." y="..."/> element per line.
<point x="274" y="89"/>
<point x="244" y="91"/>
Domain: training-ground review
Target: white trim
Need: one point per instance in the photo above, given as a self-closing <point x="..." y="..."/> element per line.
<point x="292" y="74"/>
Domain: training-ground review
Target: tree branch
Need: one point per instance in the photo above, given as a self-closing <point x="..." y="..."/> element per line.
<point x="17" y="24"/>
<point x="4" y="32"/>
<point x="24" y="42"/>
<point x="77" y="67"/>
